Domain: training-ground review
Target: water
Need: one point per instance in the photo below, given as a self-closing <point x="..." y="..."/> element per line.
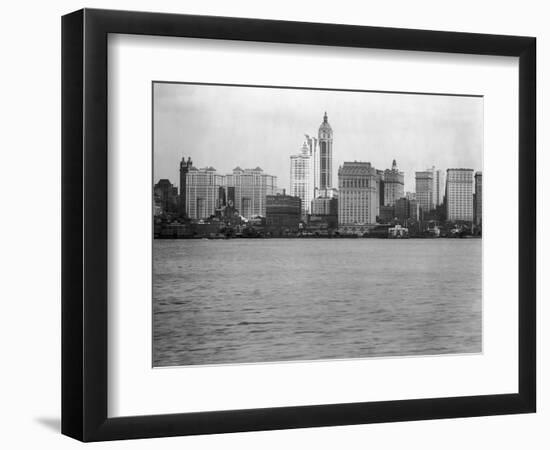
<point x="259" y="300"/>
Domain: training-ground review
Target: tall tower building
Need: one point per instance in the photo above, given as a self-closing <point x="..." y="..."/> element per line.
<point x="312" y="144"/>
<point x="459" y="194"/>
<point x="185" y="166"/>
<point x="302" y="177"/>
<point x="425" y="190"/>
<point x="358" y="201"/>
<point x="438" y="186"/>
<point x="325" y="155"/>
<point x="478" y="203"/>
<point x="394" y="185"/>
<point x="429" y="188"/>
<point x="381" y="187"/>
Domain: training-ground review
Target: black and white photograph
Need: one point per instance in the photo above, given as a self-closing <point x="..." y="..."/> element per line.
<point x="262" y="225"/>
<point x="299" y="224"/>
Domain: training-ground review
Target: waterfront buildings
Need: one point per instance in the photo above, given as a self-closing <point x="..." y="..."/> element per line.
<point x="358" y="196"/>
<point x="206" y="191"/>
<point x="302" y="177"/>
<point x="283" y="212"/>
<point x="251" y="186"/>
<point x="429" y="188"/>
<point x="386" y="214"/>
<point x="311" y="170"/>
<point x="166" y="197"/>
<point x="459" y="195"/>
<point x="393" y="185"/>
<point x="478" y="199"/>
<point x="398" y="232"/>
<point x="407" y="209"/>
<point x="324" y="206"/>
<point x="324" y="214"/>
<point x="202" y="187"/>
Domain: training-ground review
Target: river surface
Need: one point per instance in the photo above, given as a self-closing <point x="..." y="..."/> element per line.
<point x="261" y="300"/>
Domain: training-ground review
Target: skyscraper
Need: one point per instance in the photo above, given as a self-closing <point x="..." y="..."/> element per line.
<point x="358" y="201"/>
<point x="302" y="177"/>
<point x="381" y="187"/>
<point x="312" y="144"/>
<point x="325" y="155"/>
<point x="184" y="169"/>
<point x="478" y="196"/>
<point x="202" y="192"/>
<point x="167" y="195"/>
<point x="251" y="187"/>
<point x="459" y="194"/>
<point x="429" y="188"/>
<point x="406" y="209"/>
<point x="425" y="190"/>
<point x="394" y="185"/>
<point x="438" y="188"/>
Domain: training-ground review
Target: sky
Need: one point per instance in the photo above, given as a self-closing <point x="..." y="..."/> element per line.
<point x="229" y="126"/>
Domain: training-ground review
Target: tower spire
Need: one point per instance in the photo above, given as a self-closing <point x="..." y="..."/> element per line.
<point x="325" y="118"/>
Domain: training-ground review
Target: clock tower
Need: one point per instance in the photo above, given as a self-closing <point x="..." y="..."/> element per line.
<point x="325" y="155"/>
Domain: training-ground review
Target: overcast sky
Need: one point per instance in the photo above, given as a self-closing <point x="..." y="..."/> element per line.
<point x="229" y="126"/>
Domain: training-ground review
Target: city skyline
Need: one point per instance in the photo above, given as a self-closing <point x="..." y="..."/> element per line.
<point x="278" y="245"/>
<point x="268" y="125"/>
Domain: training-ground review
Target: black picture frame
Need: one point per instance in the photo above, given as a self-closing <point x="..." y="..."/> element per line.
<point x="84" y="224"/>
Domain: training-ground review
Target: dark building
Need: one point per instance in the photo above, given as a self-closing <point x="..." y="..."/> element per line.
<point x="381" y="186"/>
<point x="478" y="199"/>
<point x="283" y="212"/>
<point x="324" y="206"/>
<point x="387" y="214"/>
<point x="230" y="196"/>
<point x="407" y="209"/>
<point x="167" y="196"/>
<point x="185" y="166"/>
<point x="324" y="213"/>
<point x="222" y="201"/>
<point x="226" y="205"/>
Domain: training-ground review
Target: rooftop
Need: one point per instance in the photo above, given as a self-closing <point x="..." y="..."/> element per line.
<point x="356" y="168"/>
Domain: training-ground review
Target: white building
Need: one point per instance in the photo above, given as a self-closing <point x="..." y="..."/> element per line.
<point x="202" y="192"/>
<point x="251" y="188"/>
<point x="358" y="196"/>
<point x="302" y="177"/>
<point x="459" y="194"/>
<point x="438" y="186"/>
<point x="312" y="144"/>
